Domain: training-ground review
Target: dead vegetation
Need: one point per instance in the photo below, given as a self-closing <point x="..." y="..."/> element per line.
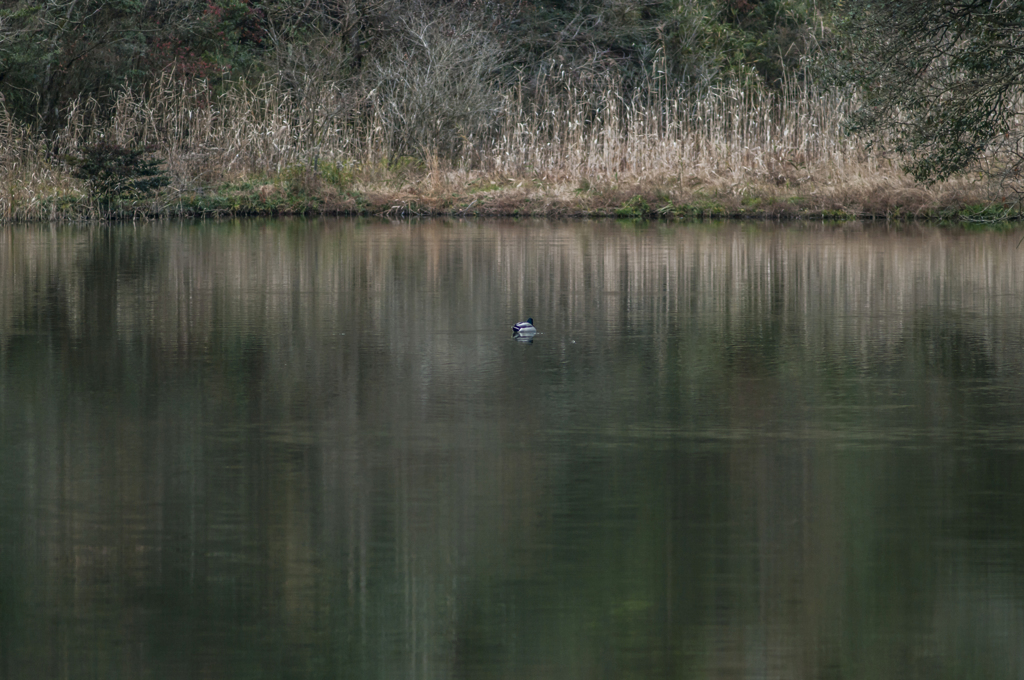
<point x="421" y="142"/>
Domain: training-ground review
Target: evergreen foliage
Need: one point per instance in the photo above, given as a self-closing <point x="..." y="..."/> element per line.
<point x="942" y="82"/>
<point x="113" y="172"/>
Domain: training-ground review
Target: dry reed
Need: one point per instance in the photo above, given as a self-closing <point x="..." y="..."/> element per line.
<point x="549" y="142"/>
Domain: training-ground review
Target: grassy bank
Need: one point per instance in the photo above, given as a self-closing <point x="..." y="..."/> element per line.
<point x="550" y="148"/>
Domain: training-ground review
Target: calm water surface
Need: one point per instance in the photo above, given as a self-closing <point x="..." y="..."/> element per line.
<point x="311" y="449"/>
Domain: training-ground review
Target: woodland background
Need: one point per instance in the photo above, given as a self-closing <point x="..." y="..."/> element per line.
<point x="628" y="107"/>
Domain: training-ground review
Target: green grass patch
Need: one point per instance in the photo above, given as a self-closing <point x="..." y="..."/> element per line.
<point x="701" y="207"/>
<point x="837" y="214"/>
<point x="986" y="213"/>
<point x="634" y="207"/>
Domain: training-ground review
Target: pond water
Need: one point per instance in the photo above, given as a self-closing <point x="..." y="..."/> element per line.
<point x="312" y="449"/>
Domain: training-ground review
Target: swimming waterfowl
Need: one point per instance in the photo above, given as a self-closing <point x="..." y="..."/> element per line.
<point x="524" y="327"/>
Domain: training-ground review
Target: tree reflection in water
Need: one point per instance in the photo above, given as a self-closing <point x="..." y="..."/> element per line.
<point x="309" y="449"/>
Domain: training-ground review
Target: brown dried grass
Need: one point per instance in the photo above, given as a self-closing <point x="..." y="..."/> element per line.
<point x="550" y="146"/>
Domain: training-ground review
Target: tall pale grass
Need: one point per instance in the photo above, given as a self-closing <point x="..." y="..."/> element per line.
<point x="206" y="138"/>
<point x="31" y="178"/>
<point x="660" y="132"/>
<point x="557" y="131"/>
<point x="730" y="138"/>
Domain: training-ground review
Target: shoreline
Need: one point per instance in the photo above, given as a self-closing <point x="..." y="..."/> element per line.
<point x="270" y="199"/>
<point x="362" y="190"/>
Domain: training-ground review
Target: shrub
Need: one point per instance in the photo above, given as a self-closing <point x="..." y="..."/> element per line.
<point x="113" y="172"/>
<point x="438" y="88"/>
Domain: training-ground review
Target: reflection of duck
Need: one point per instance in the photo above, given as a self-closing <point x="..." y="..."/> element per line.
<point x="524" y="327"/>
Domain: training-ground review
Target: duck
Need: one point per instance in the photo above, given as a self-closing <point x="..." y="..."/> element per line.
<point x="524" y="327"/>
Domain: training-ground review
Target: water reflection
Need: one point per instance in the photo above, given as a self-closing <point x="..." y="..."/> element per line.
<point x="310" y="449"/>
